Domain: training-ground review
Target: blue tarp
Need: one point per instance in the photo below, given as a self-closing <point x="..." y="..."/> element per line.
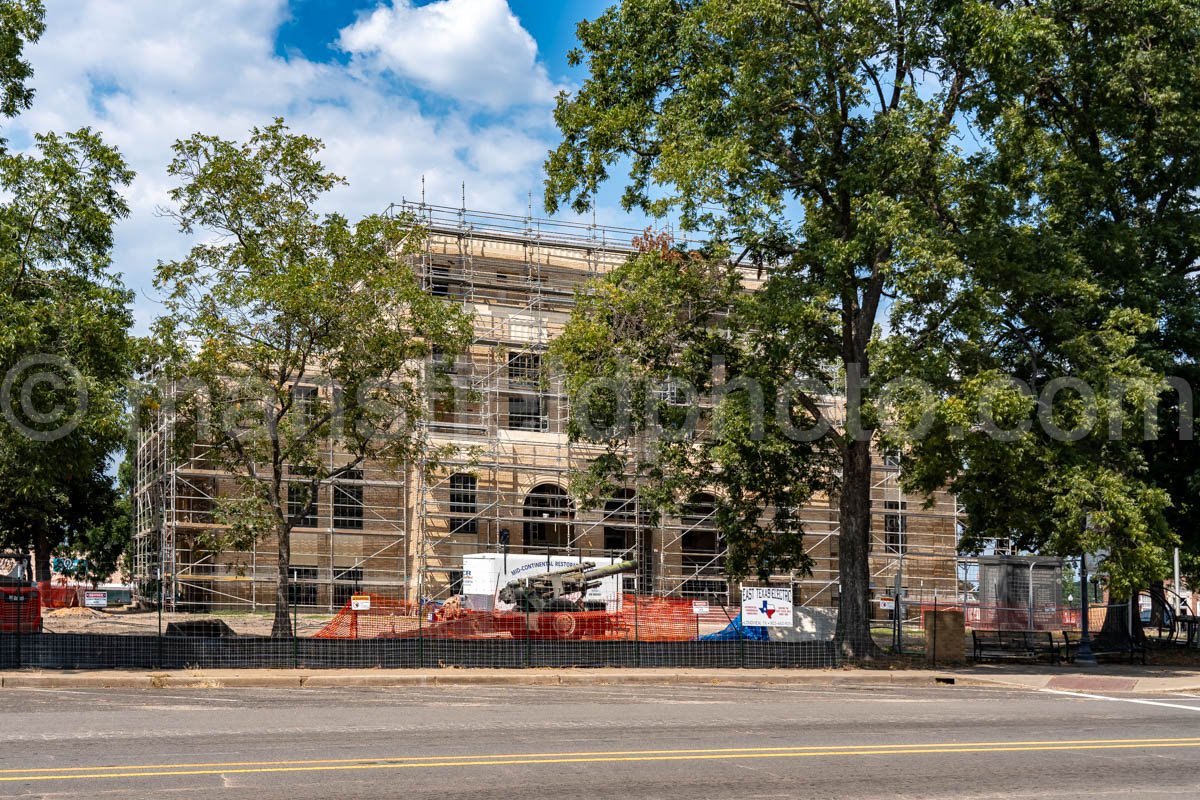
<point x="730" y="633"/>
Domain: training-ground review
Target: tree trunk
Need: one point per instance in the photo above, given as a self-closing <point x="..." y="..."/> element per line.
<point x="282" y="628"/>
<point x="1122" y="620"/>
<point x="854" y="518"/>
<point x="41" y="557"/>
<point x="1158" y="604"/>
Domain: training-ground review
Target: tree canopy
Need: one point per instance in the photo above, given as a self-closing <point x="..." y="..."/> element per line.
<point x="1082" y="237"/>
<point x="943" y="198"/>
<point x="644" y="345"/>
<point x="65" y="350"/>
<point x="817" y="136"/>
<point x="292" y="332"/>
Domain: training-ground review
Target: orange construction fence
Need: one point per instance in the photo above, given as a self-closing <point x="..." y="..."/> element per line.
<point x="60" y="595"/>
<point x="646" y="619"/>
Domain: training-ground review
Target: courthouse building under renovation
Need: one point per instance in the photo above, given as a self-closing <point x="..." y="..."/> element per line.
<point x="396" y="533"/>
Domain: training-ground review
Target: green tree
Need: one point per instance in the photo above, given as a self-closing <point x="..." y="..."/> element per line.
<point x="103" y="546"/>
<point x="20" y="24"/>
<point x="1084" y="246"/>
<point x="65" y="347"/>
<point x="65" y="351"/>
<point x="820" y="137"/>
<point x="282" y="297"/>
<point x="639" y="352"/>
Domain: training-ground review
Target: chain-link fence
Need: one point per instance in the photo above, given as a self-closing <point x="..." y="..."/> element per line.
<point x="373" y="631"/>
<point x="642" y="632"/>
<point x="108" y="651"/>
<point x="610" y="624"/>
<point x="1052" y="633"/>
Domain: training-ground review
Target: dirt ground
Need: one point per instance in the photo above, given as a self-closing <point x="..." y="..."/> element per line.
<point x="90" y="620"/>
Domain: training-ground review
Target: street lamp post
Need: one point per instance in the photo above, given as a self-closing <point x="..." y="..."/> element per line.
<point x="504" y="543"/>
<point x="1084" y="657"/>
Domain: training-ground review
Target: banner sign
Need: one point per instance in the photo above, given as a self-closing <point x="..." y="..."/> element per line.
<point x="485" y="574"/>
<point x="767" y="606"/>
<point x="95" y="599"/>
<point x="360" y="602"/>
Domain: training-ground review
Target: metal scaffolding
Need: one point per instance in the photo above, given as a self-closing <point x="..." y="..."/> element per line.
<point x="498" y="418"/>
<point x="355" y="541"/>
<point x="496" y="476"/>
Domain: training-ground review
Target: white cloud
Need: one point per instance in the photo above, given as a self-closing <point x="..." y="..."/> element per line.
<point x="474" y="51"/>
<point x="148" y="72"/>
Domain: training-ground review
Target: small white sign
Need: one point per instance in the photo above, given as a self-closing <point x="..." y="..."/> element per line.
<point x="699" y="607"/>
<point x="887" y="604"/>
<point x="767" y="606"/>
<point x="360" y="602"/>
<point x="1095" y="561"/>
<point x="95" y="599"/>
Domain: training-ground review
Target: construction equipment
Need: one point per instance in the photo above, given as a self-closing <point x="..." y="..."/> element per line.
<point x="550" y="591"/>
<point x="20" y="604"/>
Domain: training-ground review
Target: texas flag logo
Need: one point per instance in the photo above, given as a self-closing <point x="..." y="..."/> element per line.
<point x="767" y="610"/>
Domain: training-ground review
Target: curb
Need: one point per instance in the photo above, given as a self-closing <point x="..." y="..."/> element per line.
<point x="317" y="680"/>
<point x="379" y="679"/>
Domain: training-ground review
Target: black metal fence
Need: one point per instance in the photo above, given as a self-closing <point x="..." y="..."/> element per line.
<point x="118" y="651"/>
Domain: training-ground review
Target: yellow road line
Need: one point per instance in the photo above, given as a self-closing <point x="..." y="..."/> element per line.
<point x="633" y="756"/>
<point x="450" y="757"/>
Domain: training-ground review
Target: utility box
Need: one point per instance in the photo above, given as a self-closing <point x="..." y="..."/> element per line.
<point x="20" y="600"/>
<point x="1020" y="592"/>
<point x="945" y="636"/>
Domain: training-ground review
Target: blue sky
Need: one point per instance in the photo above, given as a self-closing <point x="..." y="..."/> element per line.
<point x="452" y="91"/>
<point x="314" y="24"/>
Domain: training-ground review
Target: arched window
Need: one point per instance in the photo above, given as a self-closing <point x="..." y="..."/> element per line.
<point x="548" y="516"/>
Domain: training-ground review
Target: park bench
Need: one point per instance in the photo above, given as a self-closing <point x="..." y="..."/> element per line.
<point x="1116" y="644"/>
<point x="1017" y="645"/>
<point x="1191" y="625"/>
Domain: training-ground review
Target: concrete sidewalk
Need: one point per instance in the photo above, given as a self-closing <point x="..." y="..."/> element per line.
<point x="1104" y="678"/>
<point x="1108" y="678"/>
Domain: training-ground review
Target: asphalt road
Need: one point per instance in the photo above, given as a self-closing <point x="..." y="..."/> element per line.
<point x="596" y="742"/>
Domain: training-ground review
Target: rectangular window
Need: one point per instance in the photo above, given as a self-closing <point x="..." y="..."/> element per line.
<point x="194" y="501"/>
<point x="616" y="538"/>
<point x="455" y="576"/>
<point x="439" y="280"/>
<point x="304" y="405"/>
<point x="298" y="498"/>
<point x="526" y="414"/>
<point x="535" y="533"/>
<point x="464" y="503"/>
<point x="895" y="526"/>
<point x="302" y="586"/>
<point x="524" y="369"/>
<point x="348" y="502"/>
<point x="715" y="592"/>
